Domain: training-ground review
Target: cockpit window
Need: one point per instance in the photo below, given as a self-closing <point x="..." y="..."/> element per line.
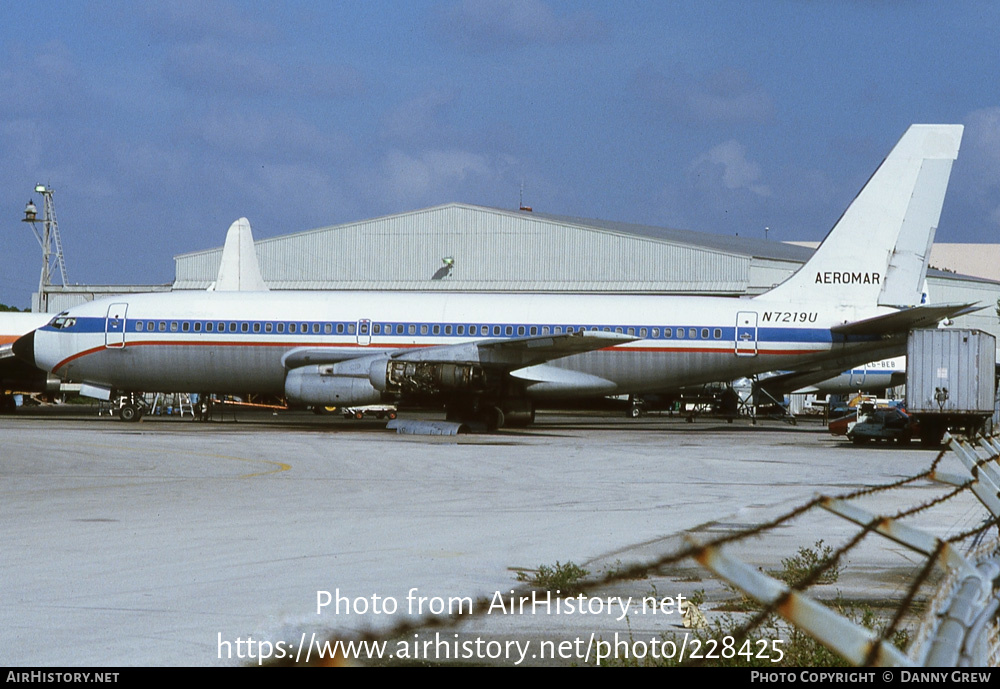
<point x="61" y="321"/>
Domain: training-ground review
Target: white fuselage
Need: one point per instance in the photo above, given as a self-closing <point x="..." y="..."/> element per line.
<point x="235" y="342"/>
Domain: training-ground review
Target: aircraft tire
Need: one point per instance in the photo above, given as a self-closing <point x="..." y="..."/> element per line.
<point x="129" y="412"/>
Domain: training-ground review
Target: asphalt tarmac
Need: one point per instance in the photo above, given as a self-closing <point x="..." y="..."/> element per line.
<point x="170" y="542"/>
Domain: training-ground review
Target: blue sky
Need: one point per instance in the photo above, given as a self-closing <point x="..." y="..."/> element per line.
<point x="159" y="124"/>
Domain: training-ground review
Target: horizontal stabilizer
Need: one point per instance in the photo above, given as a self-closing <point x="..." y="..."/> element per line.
<point x="927" y="316"/>
<point x="798" y="381"/>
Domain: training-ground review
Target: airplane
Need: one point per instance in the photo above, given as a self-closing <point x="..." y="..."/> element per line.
<point x="15" y="374"/>
<point x="489" y="358"/>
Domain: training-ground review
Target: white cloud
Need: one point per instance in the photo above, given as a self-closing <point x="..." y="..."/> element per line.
<point x="727" y="164"/>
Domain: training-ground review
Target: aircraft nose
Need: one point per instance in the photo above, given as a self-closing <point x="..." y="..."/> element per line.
<point x="24" y="348"/>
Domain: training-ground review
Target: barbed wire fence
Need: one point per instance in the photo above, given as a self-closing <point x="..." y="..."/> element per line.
<point x="957" y="621"/>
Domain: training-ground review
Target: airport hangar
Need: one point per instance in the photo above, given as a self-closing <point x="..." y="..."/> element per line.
<point x="466" y="248"/>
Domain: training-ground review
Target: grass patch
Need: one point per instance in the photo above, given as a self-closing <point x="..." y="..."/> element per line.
<point x="564" y="578"/>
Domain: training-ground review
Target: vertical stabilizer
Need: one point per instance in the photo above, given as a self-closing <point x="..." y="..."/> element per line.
<point x="877" y="252"/>
<point x="239" y="271"/>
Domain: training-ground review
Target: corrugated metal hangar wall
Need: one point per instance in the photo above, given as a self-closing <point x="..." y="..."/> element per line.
<point x="499" y="250"/>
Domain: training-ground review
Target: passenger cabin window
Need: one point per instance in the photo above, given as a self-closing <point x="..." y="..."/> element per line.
<point x="704" y="333"/>
<point x="693" y="333"/>
<point x="680" y="333"/>
<point x="185" y="326"/>
<point x="138" y="326"/>
<point x="717" y="333"/>
<point x="197" y="327"/>
<point x="281" y="327"/>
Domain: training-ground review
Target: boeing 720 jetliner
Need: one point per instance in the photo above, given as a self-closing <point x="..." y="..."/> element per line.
<point x="488" y="358"/>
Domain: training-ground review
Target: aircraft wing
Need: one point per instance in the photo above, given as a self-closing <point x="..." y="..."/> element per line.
<point x="927" y="316"/>
<point x="513" y="353"/>
<point x="518" y="352"/>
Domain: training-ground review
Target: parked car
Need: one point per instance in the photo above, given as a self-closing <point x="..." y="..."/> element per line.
<point x="883" y="424"/>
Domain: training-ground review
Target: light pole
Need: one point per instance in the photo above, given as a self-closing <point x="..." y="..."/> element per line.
<point x="48" y="236"/>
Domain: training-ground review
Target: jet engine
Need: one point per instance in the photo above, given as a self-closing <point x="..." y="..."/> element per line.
<point x="430" y="377"/>
<point x="325" y="385"/>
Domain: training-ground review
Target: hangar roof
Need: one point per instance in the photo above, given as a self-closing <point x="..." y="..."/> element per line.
<point x="497" y="249"/>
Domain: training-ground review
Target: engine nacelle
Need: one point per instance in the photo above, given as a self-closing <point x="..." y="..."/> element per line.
<point x="322" y="384"/>
<point x="426" y="377"/>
